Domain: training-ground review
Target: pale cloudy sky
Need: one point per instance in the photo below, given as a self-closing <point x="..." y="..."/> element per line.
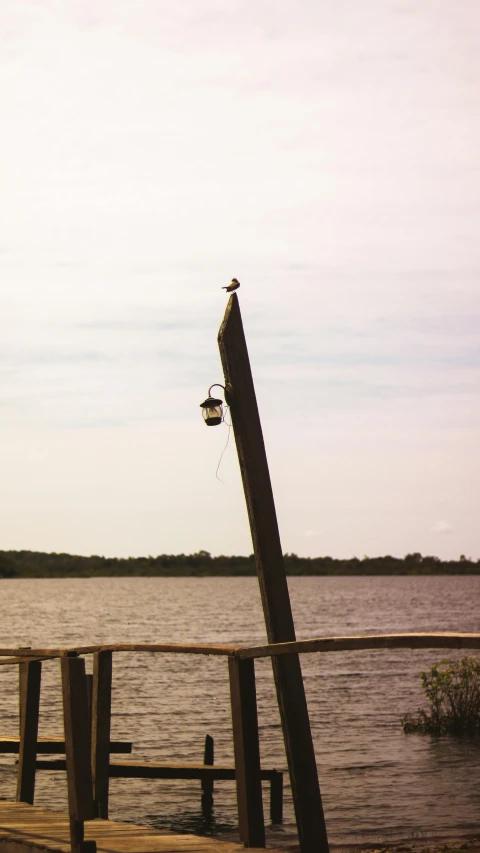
<point x="325" y="153"/>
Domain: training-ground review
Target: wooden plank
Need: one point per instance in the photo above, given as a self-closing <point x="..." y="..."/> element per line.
<point x="166" y="648"/>
<point x="240" y="395"/>
<point x="207" y="782"/>
<point x="459" y="640"/>
<point x="170" y="648"/>
<point x="154" y="770"/>
<point x="101" y="722"/>
<point x="33" y="653"/>
<point x="56" y="746"/>
<point x="353" y="644"/>
<point x="29" y="829"/>
<point x="160" y="770"/>
<point x="247" y="752"/>
<point x="30" y="679"/>
<point x="77" y="740"/>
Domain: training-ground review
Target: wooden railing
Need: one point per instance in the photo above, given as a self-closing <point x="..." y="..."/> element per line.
<point x="88" y="698"/>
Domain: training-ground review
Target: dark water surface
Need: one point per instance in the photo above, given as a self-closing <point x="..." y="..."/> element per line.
<point x="377" y="783"/>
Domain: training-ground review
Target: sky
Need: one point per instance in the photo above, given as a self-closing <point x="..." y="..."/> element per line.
<point x="328" y="156"/>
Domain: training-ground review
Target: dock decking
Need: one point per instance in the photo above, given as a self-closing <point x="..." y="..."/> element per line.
<point x="29" y="829"/>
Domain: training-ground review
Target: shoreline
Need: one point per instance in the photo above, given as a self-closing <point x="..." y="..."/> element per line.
<point x="37" y="564"/>
<point x="427" y="843"/>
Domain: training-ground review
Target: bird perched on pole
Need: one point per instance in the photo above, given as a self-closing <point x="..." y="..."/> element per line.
<point x="234" y="284"/>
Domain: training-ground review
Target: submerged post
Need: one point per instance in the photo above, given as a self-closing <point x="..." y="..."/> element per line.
<point x="207" y="784"/>
<point x="240" y="396"/>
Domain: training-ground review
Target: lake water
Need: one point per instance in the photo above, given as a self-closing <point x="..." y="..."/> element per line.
<point x="377" y="783"/>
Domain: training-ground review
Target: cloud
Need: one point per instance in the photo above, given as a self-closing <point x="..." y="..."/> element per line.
<point x="442" y="527"/>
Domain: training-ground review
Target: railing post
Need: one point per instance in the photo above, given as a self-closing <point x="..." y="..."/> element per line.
<point x="30" y="675"/>
<point x="247" y="751"/>
<point x="77" y="751"/>
<point x="101" y="725"/>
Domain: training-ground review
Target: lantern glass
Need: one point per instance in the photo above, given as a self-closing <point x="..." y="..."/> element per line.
<point x="212" y="411"/>
<point x="212" y="416"/>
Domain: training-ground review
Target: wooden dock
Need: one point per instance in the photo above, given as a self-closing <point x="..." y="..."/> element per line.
<point x="29" y="829"/>
<point x="87" y="744"/>
<point x="87" y="747"/>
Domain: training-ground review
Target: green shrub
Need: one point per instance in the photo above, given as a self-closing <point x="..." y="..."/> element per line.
<point x="453" y="691"/>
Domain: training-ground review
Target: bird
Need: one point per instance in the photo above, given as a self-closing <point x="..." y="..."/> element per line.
<point x="234" y="284"/>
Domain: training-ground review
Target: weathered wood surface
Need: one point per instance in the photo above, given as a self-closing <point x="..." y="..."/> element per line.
<point x="206" y="773"/>
<point x="16" y="660"/>
<point x="352" y="644"/>
<point x="161" y="770"/>
<point x="56" y="746"/>
<point x="30" y="675"/>
<point x="240" y="396"/>
<point x="28" y="829"/>
<point x="439" y="640"/>
<point x="247" y="752"/>
<point x="101" y="719"/>
<point x="255" y="476"/>
<point x="77" y="739"/>
<point x="167" y="648"/>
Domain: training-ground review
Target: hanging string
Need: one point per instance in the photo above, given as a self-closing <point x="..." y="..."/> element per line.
<point x="229" y="424"/>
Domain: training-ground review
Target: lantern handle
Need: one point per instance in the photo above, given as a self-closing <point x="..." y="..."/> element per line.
<point x="216" y="385"/>
<point x="227" y="390"/>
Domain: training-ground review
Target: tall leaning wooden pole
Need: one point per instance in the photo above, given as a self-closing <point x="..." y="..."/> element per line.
<point x="272" y="578"/>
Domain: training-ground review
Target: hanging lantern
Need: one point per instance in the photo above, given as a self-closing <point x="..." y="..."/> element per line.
<point x="212" y="410"/>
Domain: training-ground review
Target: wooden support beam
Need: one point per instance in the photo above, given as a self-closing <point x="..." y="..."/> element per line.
<point x="30" y="675"/>
<point x="247" y="752"/>
<point x="161" y="770"/>
<point x="207" y="784"/>
<point x="101" y="724"/>
<point x="240" y="396"/>
<point x="56" y="745"/>
<point x="77" y="751"/>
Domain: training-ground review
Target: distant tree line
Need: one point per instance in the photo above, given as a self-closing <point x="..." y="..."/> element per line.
<point x="35" y="564"/>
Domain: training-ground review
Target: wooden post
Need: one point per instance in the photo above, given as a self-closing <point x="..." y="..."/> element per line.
<point x="77" y="751"/>
<point x="207" y="784"/>
<point x="29" y="678"/>
<point x="101" y="724"/>
<point x="276" y="798"/>
<point x="22" y="673"/>
<point x="247" y="752"/>
<point x="240" y="396"/>
<point x="89" y="683"/>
